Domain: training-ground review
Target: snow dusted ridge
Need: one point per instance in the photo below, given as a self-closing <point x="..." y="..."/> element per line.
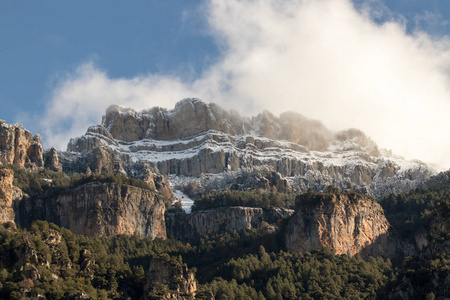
<point x="211" y="147"/>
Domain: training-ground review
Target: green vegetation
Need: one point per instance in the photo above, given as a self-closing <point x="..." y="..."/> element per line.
<point x="415" y="211"/>
<point x="45" y="182"/>
<point x="409" y="212"/>
<point x="45" y="260"/>
<point x="250" y="198"/>
<point x="39" y="182"/>
<point x="51" y="261"/>
<point x="318" y="275"/>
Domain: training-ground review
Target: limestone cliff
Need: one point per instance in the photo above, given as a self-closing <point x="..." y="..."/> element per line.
<point x="18" y="147"/>
<point x="196" y="138"/>
<point x="179" y="282"/>
<point x="348" y="223"/>
<point x="99" y="209"/>
<point x="8" y="194"/>
<point x="191" y="117"/>
<point x="187" y="226"/>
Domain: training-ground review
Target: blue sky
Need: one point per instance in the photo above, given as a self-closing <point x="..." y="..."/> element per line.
<point x="43" y="40"/>
<point x="62" y="64"/>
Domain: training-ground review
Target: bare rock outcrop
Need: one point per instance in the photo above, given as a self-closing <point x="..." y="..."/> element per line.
<point x="223" y="219"/>
<point x="6" y="195"/>
<point x="191" y="117"/>
<point x="169" y="279"/>
<point x="51" y="160"/>
<point x="9" y="194"/>
<point x="348" y="223"/>
<point x="196" y="138"/>
<point x="99" y="209"/>
<point x="19" y="147"/>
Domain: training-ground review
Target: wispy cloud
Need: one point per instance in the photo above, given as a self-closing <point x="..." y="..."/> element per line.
<point x="325" y="59"/>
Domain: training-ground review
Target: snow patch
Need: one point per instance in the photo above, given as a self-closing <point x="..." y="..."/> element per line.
<point x="186" y="202"/>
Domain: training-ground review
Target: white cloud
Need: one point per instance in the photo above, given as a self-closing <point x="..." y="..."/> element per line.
<point x="80" y="99"/>
<point x="322" y="58"/>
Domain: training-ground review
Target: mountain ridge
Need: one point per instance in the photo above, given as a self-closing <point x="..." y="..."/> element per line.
<point x="196" y="138"/>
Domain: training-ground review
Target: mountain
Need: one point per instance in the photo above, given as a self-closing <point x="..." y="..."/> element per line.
<point x="203" y="145"/>
<point x="127" y="238"/>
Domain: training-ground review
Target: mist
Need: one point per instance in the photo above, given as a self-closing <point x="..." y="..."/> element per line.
<point x="325" y="59"/>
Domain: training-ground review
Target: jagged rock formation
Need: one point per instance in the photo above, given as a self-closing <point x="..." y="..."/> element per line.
<point x="188" y="226"/>
<point x="179" y="280"/>
<point x="18" y="147"/>
<point x="51" y="160"/>
<point x="348" y="223"/>
<point x="197" y="138"/>
<point x="99" y="209"/>
<point x="192" y="117"/>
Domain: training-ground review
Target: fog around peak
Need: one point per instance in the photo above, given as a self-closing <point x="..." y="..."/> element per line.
<point x="326" y="60"/>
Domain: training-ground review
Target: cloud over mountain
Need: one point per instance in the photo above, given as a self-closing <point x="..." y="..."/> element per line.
<point x="325" y="59"/>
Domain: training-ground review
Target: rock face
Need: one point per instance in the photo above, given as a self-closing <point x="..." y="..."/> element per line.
<point x="90" y="209"/>
<point x="51" y="160"/>
<point x="348" y="223"/>
<point x="191" y="117"/>
<point x="18" y="147"/>
<point x="179" y="280"/>
<point x="188" y="226"/>
<point x="100" y="209"/>
<point x="8" y="193"/>
<point x="197" y="138"/>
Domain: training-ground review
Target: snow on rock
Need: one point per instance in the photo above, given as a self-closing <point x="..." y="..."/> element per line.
<point x="196" y="138"/>
<point x="186" y="202"/>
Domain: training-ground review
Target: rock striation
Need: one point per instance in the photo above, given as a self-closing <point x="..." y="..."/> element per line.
<point x="348" y="223"/>
<point x="99" y="209"/>
<point x="196" y="138"/>
<point x="186" y="227"/>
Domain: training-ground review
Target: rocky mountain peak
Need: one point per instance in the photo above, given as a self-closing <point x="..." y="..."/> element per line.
<point x="191" y="117"/>
<point x="196" y="138"/>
